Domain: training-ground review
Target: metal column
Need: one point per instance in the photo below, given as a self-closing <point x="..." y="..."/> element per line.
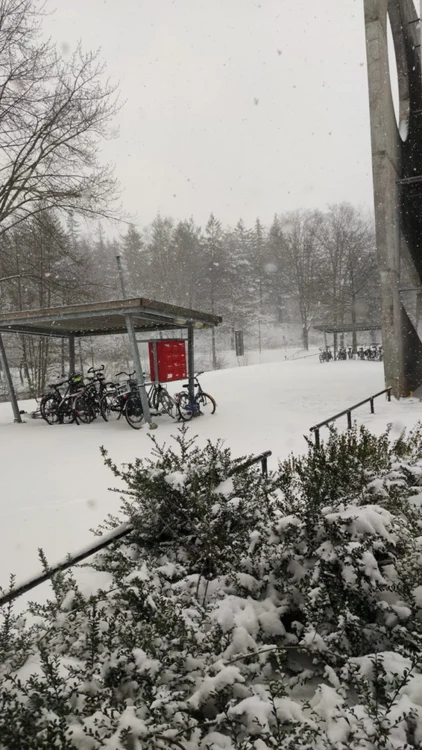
<point x="72" y="361"/>
<point x="191" y="363"/>
<point x="155" y="358"/>
<point x="138" y="369"/>
<point x="135" y="353"/>
<point x="9" y="381"/>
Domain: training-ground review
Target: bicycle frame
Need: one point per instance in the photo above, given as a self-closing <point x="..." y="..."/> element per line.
<point x="193" y="402"/>
<point x="67" y="397"/>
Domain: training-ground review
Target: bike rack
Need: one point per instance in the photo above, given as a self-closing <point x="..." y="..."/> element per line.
<point x="116" y="535"/>
<point x="348" y="412"/>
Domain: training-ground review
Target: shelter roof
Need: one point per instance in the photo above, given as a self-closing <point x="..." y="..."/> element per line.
<point x="104" y="318"/>
<point x="347" y="327"/>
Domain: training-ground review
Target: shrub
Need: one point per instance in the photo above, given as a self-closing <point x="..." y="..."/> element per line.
<point x="243" y="612"/>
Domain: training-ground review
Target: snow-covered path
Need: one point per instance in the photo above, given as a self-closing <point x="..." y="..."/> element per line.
<point x="54" y="486"/>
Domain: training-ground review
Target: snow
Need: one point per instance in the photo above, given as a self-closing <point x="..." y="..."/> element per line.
<point x="371" y="519"/>
<point x="417" y="593"/>
<point x="55" y="487"/>
<point x="144" y="664"/>
<point x="211" y="685"/>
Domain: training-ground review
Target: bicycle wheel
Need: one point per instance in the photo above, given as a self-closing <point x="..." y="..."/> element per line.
<point x="133" y="411"/>
<point x="49" y="408"/>
<point x="83" y="409"/>
<point x="206" y="403"/>
<point x="66" y="412"/>
<point x="154" y="399"/>
<point x="166" y="404"/>
<point x="110" y="407"/>
<point x="185" y="407"/>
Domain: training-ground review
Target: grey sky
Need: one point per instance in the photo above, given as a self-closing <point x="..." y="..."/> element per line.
<point x="240" y="107"/>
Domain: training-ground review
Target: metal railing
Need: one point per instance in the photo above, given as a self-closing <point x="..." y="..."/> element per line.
<point x="116" y="535"/>
<point x="348" y="412"/>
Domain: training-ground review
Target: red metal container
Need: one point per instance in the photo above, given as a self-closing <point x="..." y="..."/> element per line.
<point x="167" y="360"/>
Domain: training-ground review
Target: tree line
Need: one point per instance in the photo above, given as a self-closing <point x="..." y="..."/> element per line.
<point x="307" y="267"/>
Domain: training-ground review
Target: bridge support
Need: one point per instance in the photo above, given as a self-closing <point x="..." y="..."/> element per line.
<point x="397" y="171"/>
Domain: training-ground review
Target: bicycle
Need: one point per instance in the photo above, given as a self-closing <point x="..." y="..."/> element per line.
<point x="71" y="406"/>
<point x="113" y="400"/>
<point x="161" y="401"/>
<point x="202" y="403"/>
<point x="97" y="388"/>
<point x="124" y="400"/>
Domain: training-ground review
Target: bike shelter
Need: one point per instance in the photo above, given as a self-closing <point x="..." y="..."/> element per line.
<point x="337" y="330"/>
<point x="122" y="316"/>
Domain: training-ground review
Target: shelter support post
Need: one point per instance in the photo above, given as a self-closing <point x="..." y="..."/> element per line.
<point x="155" y="357"/>
<point x="138" y="370"/>
<point x="135" y="352"/>
<point x="191" y="362"/>
<point x="72" y="360"/>
<point x="9" y="381"/>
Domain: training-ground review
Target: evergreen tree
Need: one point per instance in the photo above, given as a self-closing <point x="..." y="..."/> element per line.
<point x="132" y="247"/>
<point x="259" y="279"/>
<point x="159" y="259"/>
<point x="277" y="275"/>
<point x="214" y="280"/>
<point x="241" y="307"/>
<point x="186" y="266"/>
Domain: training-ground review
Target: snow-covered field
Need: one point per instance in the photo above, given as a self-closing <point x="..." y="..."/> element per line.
<point x="55" y="487"/>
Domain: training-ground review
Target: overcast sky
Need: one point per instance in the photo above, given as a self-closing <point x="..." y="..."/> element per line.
<point x="240" y="107"/>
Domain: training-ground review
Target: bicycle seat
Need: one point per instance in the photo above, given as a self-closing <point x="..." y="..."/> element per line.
<point x="56" y="385"/>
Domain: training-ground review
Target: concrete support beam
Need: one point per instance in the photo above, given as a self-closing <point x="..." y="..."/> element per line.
<point x="387" y="170"/>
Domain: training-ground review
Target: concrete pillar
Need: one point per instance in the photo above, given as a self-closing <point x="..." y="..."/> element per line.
<point x="396" y="157"/>
<point x="386" y="171"/>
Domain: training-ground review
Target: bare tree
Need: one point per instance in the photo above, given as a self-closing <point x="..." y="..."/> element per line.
<point x="347" y="244"/>
<point x="300" y="263"/>
<point x="53" y="112"/>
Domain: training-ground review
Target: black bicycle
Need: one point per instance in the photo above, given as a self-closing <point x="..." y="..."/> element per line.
<point x="96" y="388"/>
<point x="202" y="403"/>
<point x="123" y="399"/>
<point x="160" y="400"/>
<point x="70" y="406"/>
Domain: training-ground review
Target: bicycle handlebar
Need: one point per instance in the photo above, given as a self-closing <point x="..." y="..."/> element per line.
<point x="96" y="369"/>
<point x="129" y="374"/>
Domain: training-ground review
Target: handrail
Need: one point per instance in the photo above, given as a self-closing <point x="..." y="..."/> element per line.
<point x="261" y="457"/>
<point x="316" y="428"/>
<point x="122" y="531"/>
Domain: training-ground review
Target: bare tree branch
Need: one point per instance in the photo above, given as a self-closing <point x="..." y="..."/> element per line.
<point x="53" y="115"/>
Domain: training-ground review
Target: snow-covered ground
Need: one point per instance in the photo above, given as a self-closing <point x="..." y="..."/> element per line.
<point x="54" y="486"/>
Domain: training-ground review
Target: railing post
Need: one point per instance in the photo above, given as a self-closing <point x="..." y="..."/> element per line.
<point x="317" y="440"/>
<point x="389" y="394"/>
<point x="264" y="466"/>
<point x="371" y="401"/>
<point x="349" y="420"/>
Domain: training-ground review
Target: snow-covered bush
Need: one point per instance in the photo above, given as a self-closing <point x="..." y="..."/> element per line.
<point x="244" y="612"/>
